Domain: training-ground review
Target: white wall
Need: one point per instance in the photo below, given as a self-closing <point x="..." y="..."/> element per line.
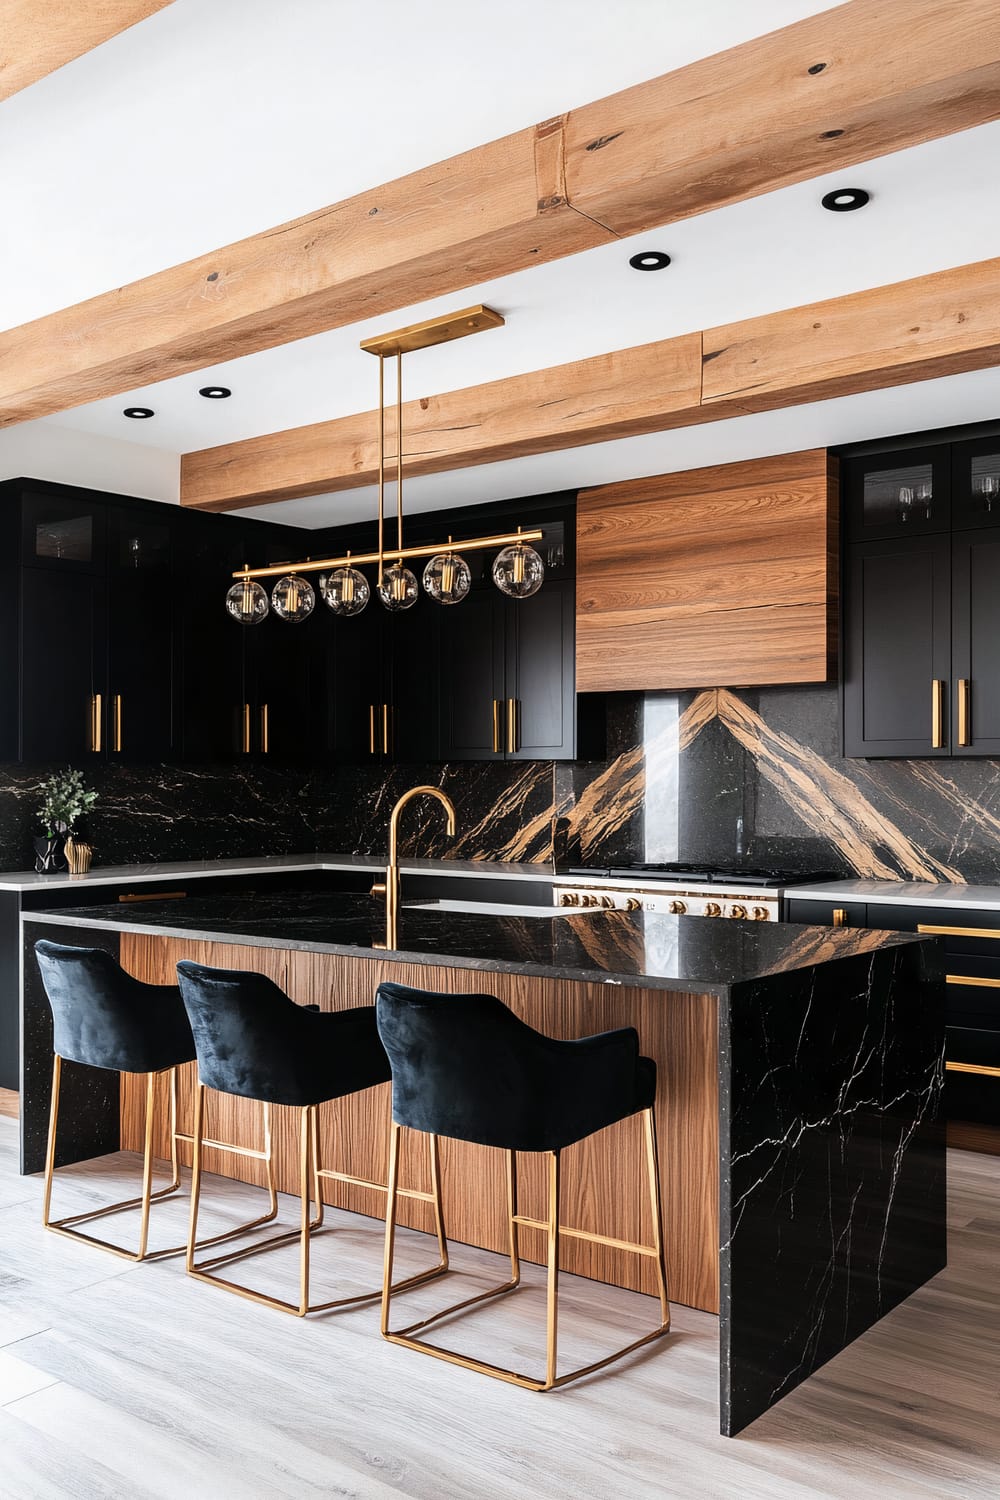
<point x="43" y="450"/>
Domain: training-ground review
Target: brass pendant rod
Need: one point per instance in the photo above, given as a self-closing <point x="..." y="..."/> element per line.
<point x="399" y="449"/>
<point x="476" y="544"/>
<point x="381" y="466"/>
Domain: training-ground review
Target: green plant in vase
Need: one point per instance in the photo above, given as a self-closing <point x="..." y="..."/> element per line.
<point x="65" y="799"/>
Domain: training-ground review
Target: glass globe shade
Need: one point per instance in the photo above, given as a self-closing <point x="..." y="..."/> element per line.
<point x="346" y="591"/>
<point x="247" y="602"/>
<point x="398" y="589"/>
<point x="447" y="578"/>
<point x="518" y="571"/>
<point x="293" y="599"/>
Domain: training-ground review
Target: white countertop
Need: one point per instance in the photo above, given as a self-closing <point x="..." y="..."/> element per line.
<point x="900" y="893"/>
<point x="272" y="864"/>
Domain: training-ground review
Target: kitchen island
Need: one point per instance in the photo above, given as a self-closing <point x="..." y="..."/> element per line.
<point x="799" y="1075"/>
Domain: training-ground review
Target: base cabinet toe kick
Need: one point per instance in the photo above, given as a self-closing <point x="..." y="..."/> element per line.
<point x="803" y="1190"/>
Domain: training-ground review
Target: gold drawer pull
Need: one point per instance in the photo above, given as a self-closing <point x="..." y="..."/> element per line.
<point x="265" y="728"/>
<point x="246" y="729"/>
<point x="937" y="714"/>
<point x="990" y="984"/>
<point x="118" y="722"/>
<point x="371" y="729"/>
<point x="839" y="917"/>
<point x="980" y="1068"/>
<point x="95" y="722"/>
<point x="496" y="726"/>
<point x="977" y="932"/>
<point x="152" y="896"/>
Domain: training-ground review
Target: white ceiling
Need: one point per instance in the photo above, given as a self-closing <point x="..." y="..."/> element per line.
<point x="206" y="123"/>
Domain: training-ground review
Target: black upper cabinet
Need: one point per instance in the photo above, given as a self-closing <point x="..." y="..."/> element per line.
<point x="63" y="645"/>
<point x="472" y="671"/>
<point x="897" y="648"/>
<point x="899" y="493"/>
<point x="922" y="602"/>
<point x="209" y="642"/>
<point x="975" y="484"/>
<point x="139" y="717"/>
<point x="541" y="674"/>
<point x="976" y="632"/>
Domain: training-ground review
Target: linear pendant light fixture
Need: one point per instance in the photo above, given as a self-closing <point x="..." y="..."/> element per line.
<point x="518" y="570"/>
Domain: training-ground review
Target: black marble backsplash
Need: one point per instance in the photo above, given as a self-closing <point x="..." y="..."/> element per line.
<point x="714" y="775"/>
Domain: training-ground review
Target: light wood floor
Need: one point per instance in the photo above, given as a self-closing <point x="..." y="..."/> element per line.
<point x="10" y="1102"/>
<point x="121" y="1382"/>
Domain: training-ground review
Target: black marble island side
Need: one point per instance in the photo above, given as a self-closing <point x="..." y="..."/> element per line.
<point x="830" y="1068"/>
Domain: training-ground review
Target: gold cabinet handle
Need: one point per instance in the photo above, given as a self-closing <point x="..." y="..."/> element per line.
<point x="937" y="713"/>
<point x="371" y="729"/>
<point x="512" y="725"/>
<point x="980" y="1068"/>
<point x="117" y="723"/>
<point x="385" y="729"/>
<point x="246" y="729"/>
<point x="265" y="728"/>
<point x="976" y="932"/>
<point x="96" y="716"/>
<point x="839" y="917"/>
<point x="970" y="979"/>
<point x="964" y="736"/>
<point x="496" y="726"/>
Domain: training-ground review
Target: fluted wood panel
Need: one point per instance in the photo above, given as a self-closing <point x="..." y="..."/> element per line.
<point x="717" y="577"/>
<point x="604" y="1177"/>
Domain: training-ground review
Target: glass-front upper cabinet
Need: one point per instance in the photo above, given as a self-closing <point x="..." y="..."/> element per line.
<point x="898" y="494"/>
<point x="976" y="483"/>
<point x="62" y="532"/>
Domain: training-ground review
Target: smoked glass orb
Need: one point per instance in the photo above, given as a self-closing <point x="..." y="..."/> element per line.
<point x="518" y="571"/>
<point x="398" y="589"/>
<point x="293" y="598"/>
<point x="346" y="591"/>
<point x="247" y="602"/>
<point x="447" y="578"/>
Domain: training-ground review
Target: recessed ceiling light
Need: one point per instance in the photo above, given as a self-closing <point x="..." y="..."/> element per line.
<point x="649" y="260"/>
<point x="215" y="392"/>
<point x="845" y="200"/>
<point x="139" y="412"/>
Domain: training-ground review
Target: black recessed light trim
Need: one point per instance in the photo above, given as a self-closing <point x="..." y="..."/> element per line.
<point x="845" y="200"/>
<point x="649" y="260"/>
<point x="139" y="413"/>
<point x="215" y="392"/>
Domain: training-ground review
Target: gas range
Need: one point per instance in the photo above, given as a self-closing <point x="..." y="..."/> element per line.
<point x="740" y="892"/>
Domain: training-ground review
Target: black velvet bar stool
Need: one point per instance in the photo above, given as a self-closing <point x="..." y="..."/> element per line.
<point x="465" y="1066"/>
<point x="253" y="1041"/>
<point x="104" y="1018"/>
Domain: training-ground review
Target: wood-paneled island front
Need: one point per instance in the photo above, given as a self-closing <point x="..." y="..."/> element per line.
<point x="799" y="1074"/>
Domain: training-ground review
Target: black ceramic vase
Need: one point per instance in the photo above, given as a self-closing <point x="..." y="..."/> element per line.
<point x="50" y="854"/>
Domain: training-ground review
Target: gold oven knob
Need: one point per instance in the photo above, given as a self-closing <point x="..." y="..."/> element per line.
<point x="632" y="903"/>
<point x="760" y="913"/>
<point x="713" y="909"/>
<point x="737" y="911"/>
<point x="569" y="898"/>
<point x="678" y="908"/>
<point x="608" y="901"/>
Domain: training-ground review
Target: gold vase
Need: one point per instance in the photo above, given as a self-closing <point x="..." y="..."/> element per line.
<point x="78" y="856"/>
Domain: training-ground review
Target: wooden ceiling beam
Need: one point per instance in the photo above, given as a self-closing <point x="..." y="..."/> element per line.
<point x="39" y="36"/>
<point x="837" y="88"/>
<point x="934" y="325"/>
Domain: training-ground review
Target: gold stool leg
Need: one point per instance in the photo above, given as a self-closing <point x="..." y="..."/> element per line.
<point x="656" y="1208"/>
<point x="390" y="1225"/>
<point x="147" y="1196"/>
<point x="50" y="1149"/>
<point x="552" y="1277"/>
<point x="306" y="1181"/>
<point x="513" y="1226"/>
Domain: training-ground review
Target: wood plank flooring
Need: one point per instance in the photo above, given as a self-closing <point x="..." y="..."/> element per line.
<point x="123" y="1382"/>
<point x="10" y="1102"/>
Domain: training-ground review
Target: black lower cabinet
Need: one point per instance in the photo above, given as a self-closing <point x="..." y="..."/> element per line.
<point x="972" y="948"/>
